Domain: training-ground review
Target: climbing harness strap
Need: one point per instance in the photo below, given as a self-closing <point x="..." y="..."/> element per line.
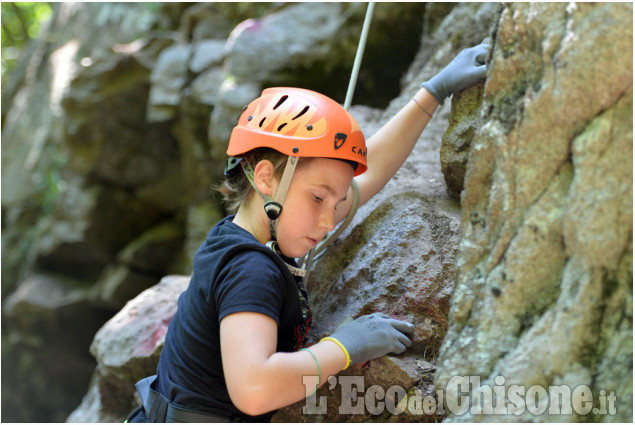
<point x="159" y="409"/>
<point x="295" y="271"/>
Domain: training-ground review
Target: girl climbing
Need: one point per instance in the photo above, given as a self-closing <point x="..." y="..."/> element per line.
<point x="234" y="349"/>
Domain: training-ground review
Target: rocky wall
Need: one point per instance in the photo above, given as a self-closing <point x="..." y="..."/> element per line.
<point x="544" y="283"/>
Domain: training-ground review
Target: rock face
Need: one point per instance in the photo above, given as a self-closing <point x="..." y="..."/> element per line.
<point x="544" y="272"/>
<point x="465" y="118"/>
<point x="399" y="261"/>
<point x="530" y="276"/>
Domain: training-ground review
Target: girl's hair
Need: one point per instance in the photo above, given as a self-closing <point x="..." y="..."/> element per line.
<point x="235" y="189"/>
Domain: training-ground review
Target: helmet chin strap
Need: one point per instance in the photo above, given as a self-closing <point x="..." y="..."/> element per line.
<point x="273" y="206"/>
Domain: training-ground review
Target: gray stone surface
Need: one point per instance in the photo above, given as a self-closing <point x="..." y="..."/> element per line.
<point x="303" y="31"/>
<point x="465" y="118"/>
<point x="168" y="78"/>
<point x="127" y="349"/>
<point x="546" y="244"/>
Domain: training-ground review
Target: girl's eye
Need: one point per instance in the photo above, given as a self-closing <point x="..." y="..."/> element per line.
<point x="317" y="198"/>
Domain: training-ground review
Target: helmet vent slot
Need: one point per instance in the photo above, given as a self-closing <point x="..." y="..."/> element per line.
<point x="302" y="112"/>
<point x="262" y="121"/>
<point x="280" y="127"/>
<point x="281" y="101"/>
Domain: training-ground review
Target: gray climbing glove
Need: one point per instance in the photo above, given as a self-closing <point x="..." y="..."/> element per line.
<point x="372" y="336"/>
<point x="465" y="69"/>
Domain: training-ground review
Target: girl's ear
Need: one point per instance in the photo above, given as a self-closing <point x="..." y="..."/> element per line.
<point x="264" y="177"/>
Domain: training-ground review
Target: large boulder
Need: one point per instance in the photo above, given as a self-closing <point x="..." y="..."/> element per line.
<point x="127" y="349"/>
<point x="303" y="31"/>
<point x="399" y="261"/>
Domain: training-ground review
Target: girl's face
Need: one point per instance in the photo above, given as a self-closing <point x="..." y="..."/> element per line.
<point x="317" y="187"/>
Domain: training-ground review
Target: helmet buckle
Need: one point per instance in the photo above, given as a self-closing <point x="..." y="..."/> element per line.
<point x="273" y="210"/>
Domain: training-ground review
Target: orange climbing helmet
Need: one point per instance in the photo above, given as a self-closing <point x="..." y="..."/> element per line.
<point x="299" y="122"/>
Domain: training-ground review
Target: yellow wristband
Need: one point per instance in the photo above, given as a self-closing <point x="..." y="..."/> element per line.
<point x="348" y="358"/>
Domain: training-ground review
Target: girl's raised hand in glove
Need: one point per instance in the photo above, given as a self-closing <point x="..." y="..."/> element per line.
<point x="465" y="69"/>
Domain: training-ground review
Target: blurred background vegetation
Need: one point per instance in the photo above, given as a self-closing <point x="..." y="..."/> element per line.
<point x="21" y="22"/>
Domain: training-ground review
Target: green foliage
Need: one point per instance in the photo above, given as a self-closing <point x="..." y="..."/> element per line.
<point x="21" y="22"/>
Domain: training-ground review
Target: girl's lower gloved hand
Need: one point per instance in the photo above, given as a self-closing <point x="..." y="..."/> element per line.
<point x="466" y="68"/>
<point x="372" y="336"/>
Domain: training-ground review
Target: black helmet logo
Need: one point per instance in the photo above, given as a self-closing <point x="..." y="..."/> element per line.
<point x="340" y="138"/>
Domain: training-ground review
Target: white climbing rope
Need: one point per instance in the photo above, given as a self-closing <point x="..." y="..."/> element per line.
<point x="307" y="262"/>
<point x="358" y="56"/>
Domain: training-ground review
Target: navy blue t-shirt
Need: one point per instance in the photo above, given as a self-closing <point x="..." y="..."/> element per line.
<point x="233" y="273"/>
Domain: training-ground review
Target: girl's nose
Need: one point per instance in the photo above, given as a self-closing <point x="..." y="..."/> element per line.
<point x="327" y="222"/>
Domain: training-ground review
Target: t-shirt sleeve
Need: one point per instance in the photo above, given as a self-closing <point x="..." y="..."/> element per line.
<point x="250" y="282"/>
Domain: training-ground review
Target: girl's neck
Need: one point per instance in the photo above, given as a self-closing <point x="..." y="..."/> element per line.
<point x="256" y="224"/>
